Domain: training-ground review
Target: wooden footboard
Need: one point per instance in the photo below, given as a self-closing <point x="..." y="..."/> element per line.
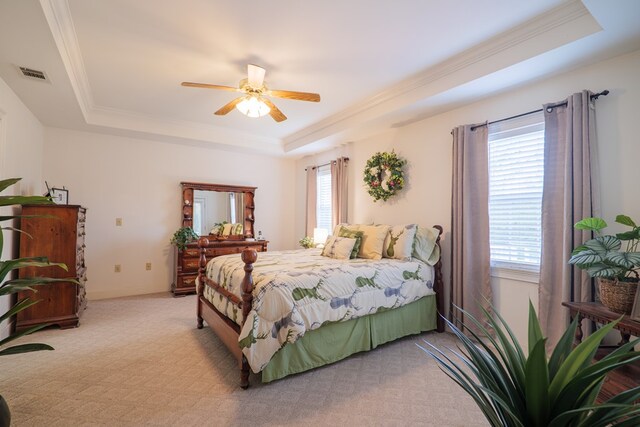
<point x="229" y="332"/>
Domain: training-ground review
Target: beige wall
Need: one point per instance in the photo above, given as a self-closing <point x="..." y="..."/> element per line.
<point x="21" y="137"/>
<point x="138" y="181"/>
<point x="427" y="146"/>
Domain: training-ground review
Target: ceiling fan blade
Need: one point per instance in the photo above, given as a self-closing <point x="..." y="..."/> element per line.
<point x="208" y="86"/>
<point x="275" y="112"/>
<point x="255" y="76"/>
<point x="228" y="107"/>
<point x="300" y="96"/>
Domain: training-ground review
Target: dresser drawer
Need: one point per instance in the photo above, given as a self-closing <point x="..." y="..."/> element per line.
<point x="188" y="281"/>
<point x="190" y="264"/>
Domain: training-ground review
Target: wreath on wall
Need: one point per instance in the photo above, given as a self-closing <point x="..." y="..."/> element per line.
<point x="383" y="175"/>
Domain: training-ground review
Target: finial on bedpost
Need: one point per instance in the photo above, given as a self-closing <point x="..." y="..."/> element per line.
<point x="249" y="256"/>
<point x="438" y="284"/>
<point x="203" y="243"/>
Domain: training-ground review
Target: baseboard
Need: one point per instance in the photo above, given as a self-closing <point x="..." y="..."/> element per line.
<point x="119" y="293"/>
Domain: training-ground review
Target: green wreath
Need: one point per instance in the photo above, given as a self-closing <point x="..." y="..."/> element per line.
<point x="383" y="175"/>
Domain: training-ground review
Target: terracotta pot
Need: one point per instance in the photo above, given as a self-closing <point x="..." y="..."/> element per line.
<point x="618" y="296"/>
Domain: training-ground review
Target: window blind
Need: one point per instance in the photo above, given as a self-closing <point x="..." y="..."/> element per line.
<point x="323" y="205"/>
<point x="516" y="168"/>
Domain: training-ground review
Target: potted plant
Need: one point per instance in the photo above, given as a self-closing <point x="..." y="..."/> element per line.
<point x="183" y="236"/>
<point x="514" y="388"/>
<point x="306" y="242"/>
<point x="615" y="268"/>
<point x="11" y="286"/>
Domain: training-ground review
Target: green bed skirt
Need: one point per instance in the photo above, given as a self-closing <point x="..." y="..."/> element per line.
<point x="335" y="341"/>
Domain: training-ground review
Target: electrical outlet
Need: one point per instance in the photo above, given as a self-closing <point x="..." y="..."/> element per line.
<point x="117" y="268"/>
<point x="148" y="266"/>
<point x="118" y="222"/>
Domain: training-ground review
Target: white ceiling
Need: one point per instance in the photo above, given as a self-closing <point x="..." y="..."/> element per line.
<point x="115" y="66"/>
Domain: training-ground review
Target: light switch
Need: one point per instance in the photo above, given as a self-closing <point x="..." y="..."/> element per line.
<point x="118" y="222"/>
<point x="117" y="268"/>
<point x="148" y="266"/>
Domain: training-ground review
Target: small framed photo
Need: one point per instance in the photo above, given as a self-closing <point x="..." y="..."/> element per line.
<point x="60" y="196"/>
<point x="635" y="311"/>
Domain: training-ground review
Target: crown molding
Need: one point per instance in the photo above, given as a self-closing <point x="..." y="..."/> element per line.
<point x="58" y="16"/>
<point x="563" y="24"/>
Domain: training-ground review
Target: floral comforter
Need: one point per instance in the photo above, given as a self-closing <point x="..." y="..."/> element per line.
<point x="298" y="291"/>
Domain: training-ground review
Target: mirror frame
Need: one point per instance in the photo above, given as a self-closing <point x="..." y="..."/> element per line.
<point x="249" y="204"/>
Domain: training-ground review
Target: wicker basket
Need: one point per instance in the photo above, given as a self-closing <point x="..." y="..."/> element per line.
<point x="617" y="296"/>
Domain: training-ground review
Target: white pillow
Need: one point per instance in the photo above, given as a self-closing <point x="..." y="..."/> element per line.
<point x="338" y="247"/>
<point x="399" y="242"/>
<point x="424" y="247"/>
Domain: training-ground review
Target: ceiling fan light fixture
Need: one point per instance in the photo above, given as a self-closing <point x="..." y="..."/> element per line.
<point x="253" y="106"/>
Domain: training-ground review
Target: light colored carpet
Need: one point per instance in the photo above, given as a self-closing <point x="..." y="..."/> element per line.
<point x="141" y="361"/>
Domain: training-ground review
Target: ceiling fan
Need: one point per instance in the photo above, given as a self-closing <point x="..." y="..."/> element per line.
<point x="254" y="102"/>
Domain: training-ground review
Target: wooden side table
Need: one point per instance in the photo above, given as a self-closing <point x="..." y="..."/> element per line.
<point x="600" y="314"/>
<point x="623" y="378"/>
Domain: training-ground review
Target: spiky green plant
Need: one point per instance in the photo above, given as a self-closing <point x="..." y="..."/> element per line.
<point x="512" y="388"/>
<point x="13" y="286"/>
<point x="183" y="236"/>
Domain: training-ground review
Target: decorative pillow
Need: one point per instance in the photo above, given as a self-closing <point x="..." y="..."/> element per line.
<point x="336" y="229"/>
<point x="399" y="242"/>
<point x="424" y="245"/>
<point x="338" y="247"/>
<point x="236" y="228"/>
<point x="226" y="230"/>
<point x="372" y="241"/>
<point x="352" y="234"/>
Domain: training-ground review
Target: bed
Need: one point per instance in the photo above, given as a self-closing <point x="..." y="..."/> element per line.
<point x="291" y="311"/>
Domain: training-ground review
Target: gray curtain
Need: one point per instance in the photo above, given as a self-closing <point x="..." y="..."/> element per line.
<point x="339" y="181"/>
<point x="312" y="190"/>
<point x="569" y="195"/>
<point x="470" y="262"/>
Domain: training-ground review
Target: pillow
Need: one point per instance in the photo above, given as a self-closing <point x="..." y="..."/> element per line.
<point x="352" y="234"/>
<point x="336" y="229"/>
<point x="372" y="241"/>
<point x="424" y="245"/>
<point x="226" y="230"/>
<point x="338" y="247"/>
<point x="236" y="228"/>
<point x="398" y="243"/>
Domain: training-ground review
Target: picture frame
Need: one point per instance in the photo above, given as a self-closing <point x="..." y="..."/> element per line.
<point x="59" y="196"/>
<point x="635" y="311"/>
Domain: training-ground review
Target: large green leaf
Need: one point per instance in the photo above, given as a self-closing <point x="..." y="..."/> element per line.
<point x="24" y="348"/>
<point x="626" y="260"/>
<point x="592" y="224"/>
<point x="629" y="235"/>
<point x="537" y="375"/>
<point x="18" y="307"/>
<point x="7" y="266"/>
<point x="603" y="244"/>
<point x="22" y="333"/>
<point x="25" y="284"/>
<point x="24" y="200"/>
<point x="563" y="348"/>
<point x="5" y="183"/>
<point x="604" y="270"/>
<point x="535" y="332"/>
<point x="586" y="258"/>
<point x="625" y="220"/>
<point x="580" y="357"/>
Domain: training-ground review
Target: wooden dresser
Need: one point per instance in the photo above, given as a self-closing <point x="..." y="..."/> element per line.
<point x="59" y="236"/>
<point x="188" y="260"/>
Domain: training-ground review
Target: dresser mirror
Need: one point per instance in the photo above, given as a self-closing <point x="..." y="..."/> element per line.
<point x="223" y="211"/>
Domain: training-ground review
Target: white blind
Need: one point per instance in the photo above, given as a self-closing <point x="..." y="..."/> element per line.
<point x="323" y="206"/>
<point x="516" y="168"/>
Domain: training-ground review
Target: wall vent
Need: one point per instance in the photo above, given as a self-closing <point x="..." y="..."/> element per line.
<point x="33" y="74"/>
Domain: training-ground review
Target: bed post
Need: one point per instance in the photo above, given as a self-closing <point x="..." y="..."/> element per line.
<point x="249" y="256"/>
<point x="203" y="242"/>
<point x="438" y="285"/>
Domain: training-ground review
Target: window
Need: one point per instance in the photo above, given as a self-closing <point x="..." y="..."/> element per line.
<point x="323" y="205"/>
<point x="198" y="214"/>
<point x="516" y="167"/>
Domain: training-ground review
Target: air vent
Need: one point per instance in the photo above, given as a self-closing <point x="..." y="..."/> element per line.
<point x="33" y="74"/>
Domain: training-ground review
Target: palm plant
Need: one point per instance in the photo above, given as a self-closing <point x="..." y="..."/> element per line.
<point x="15" y="285"/>
<point x="512" y="388"/>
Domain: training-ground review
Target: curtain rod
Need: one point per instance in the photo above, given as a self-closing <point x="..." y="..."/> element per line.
<point x="594" y="96"/>
<point x="326" y="164"/>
